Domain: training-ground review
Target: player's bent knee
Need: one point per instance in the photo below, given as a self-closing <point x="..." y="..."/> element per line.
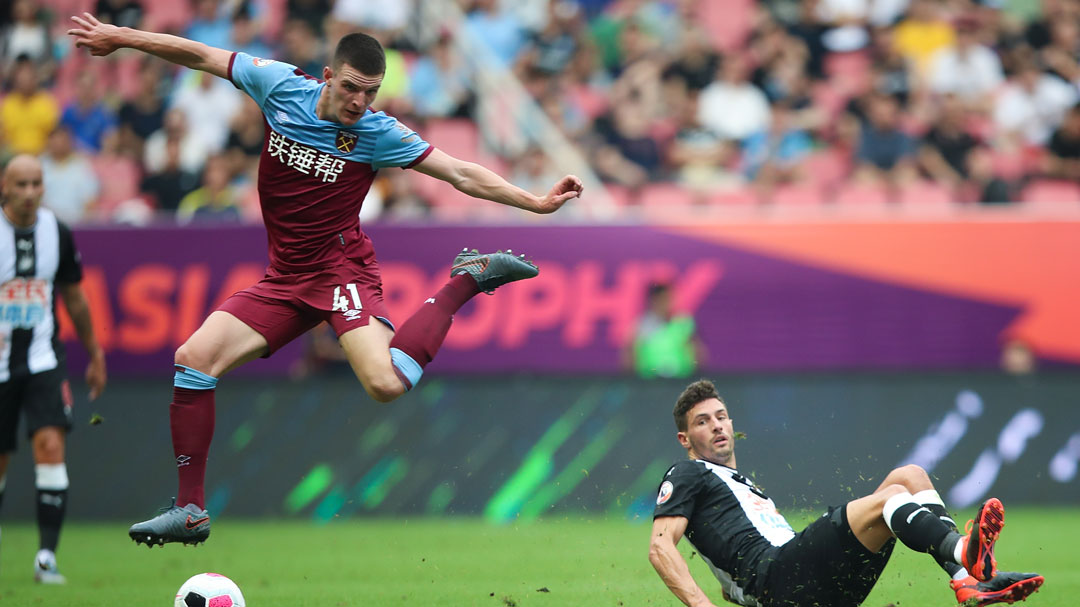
<point x="912" y="476"/>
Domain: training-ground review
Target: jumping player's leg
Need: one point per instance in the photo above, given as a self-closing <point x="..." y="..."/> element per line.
<point x="221" y="344"/>
<point x="368" y="351"/>
<point x="389" y="364"/>
<point x="918" y="484"/>
<point x="472" y="273"/>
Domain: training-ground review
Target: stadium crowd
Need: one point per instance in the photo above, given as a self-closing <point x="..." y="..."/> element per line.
<point x="672" y="102"/>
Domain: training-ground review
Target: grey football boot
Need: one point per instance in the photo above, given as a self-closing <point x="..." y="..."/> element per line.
<point x="189" y="525"/>
<point x="493" y="270"/>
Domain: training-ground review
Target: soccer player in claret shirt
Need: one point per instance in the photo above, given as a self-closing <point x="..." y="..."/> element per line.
<point x="760" y="560"/>
<point x="323" y="146"/>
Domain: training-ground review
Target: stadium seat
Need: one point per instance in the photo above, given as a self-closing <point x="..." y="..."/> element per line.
<point x="1051" y="191"/>
<point x="861" y="194"/>
<point x="737" y="197"/>
<point x="825" y="168"/>
<point x="167" y="15"/>
<point x="925" y="194"/>
<point x="666" y="195"/>
<point x="455" y="136"/>
<point x="620" y="195"/>
<point x="797" y="194"/>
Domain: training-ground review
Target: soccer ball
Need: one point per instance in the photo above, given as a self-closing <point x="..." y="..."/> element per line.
<point x="209" y="590"/>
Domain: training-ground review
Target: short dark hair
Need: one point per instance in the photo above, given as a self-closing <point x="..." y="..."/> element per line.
<point x="697" y="392"/>
<point x="362" y="52"/>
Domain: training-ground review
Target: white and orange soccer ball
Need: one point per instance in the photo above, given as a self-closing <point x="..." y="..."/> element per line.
<point x="209" y="590"/>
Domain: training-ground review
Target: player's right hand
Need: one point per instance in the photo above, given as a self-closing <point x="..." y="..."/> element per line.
<point x="97" y="37"/>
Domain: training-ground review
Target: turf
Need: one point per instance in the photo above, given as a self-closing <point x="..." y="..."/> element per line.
<point x="460" y="562"/>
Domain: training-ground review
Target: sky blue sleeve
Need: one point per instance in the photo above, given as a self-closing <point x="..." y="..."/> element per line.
<point x="257" y="77"/>
<point x="398" y="146"/>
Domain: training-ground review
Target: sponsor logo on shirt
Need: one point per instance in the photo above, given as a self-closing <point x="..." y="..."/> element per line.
<point x="665" y="493"/>
<point x="409" y="135"/>
<point x="23" y="302"/>
<point x="304" y="159"/>
<point x="345" y="141"/>
<point x="262" y="62"/>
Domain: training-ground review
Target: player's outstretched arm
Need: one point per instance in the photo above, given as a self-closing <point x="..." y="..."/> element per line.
<point x="79" y="311"/>
<point x="104" y="38"/>
<point x="670" y="564"/>
<point x="479" y="182"/>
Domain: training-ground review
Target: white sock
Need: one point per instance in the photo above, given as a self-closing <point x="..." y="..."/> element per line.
<point x="961" y="575"/>
<point x="958" y="552"/>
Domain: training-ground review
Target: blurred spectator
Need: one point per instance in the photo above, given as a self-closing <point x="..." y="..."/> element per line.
<point x="1017" y="358"/>
<point x="890" y="73"/>
<point x="1062" y="55"/>
<point x="665" y="344"/>
<point x="119" y="173"/>
<point x="697" y="156"/>
<point x="808" y="29"/>
<point x="774" y="157"/>
<point x="731" y="106"/>
<point x="27" y="35"/>
<point x="209" y="103"/>
<point x="885" y="153"/>
<point x="301" y="47"/>
<point x="121" y="13"/>
<point x="215" y="201"/>
<point x="1063" y="153"/>
<point x="371" y="16"/>
<point x="400" y="198"/>
<point x="245" y="142"/>
<point x="71" y="186"/>
<point x="496" y="29"/>
<point x="845" y="23"/>
<point x="28" y="113"/>
<point x="312" y="12"/>
<point x="627" y="154"/>
<point x="439" y="82"/>
<point x="1032" y="105"/>
<point x="532" y="172"/>
<point x="87" y="116"/>
<point x="551" y="49"/>
<point x="969" y="69"/>
<point x="211" y="23"/>
<point x="922" y="34"/>
<point x="985" y="185"/>
<point x="695" y="61"/>
<point x="245" y="36"/>
<point x="145" y="112"/>
<point x="167" y="186"/>
<point x="193" y="151"/>
<point x="947" y="146"/>
<point x="1038" y="33"/>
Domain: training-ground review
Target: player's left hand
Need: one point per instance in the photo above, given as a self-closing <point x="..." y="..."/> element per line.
<point x="95" y="374"/>
<point x="568" y="187"/>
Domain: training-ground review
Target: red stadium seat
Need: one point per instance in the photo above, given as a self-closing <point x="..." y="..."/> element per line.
<point x="455" y="136"/>
<point x="797" y="194"/>
<point x="167" y="15"/>
<point x="1051" y="191"/>
<point x="925" y="193"/>
<point x="849" y="71"/>
<point x="732" y="198"/>
<point x="825" y="168"/>
<point x="666" y="195"/>
<point x="861" y="194"/>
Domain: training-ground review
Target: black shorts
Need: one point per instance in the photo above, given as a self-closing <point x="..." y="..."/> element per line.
<point x="44" y="397"/>
<point x="824" y="565"/>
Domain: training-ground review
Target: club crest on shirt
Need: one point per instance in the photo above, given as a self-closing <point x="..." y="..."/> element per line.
<point x="665" y="492"/>
<point x="345" y="141"/>
<point x="262" y="62"/>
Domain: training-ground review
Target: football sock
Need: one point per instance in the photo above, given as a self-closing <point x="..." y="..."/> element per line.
<point x="191" y="420"/>
<point x="52" y="485"/>
<point x="917" y="527"/>
<point x="3" y="485"/>
<point x="933" y="502"/>
<point x="415" y="344"/>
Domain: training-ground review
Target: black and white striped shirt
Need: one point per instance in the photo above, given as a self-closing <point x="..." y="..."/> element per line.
<point x="732" y="523"/>
<point x="32" y="262"/>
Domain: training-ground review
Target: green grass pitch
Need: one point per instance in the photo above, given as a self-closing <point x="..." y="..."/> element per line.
<point x="461" y="562"/>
